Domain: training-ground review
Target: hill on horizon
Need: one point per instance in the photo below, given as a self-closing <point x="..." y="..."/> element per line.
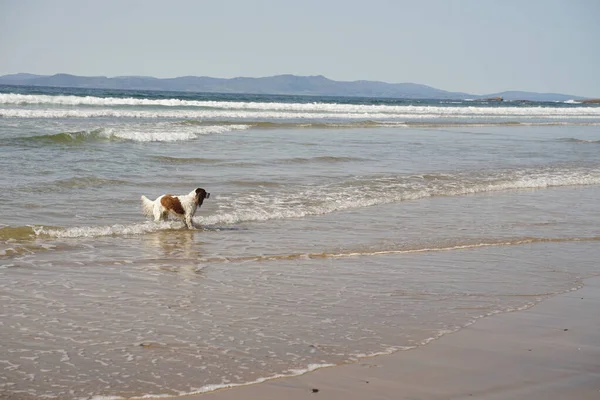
<point x="287" y="84"/>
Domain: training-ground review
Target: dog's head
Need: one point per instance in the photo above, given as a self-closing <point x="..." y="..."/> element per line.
<point x="201" y="194"/>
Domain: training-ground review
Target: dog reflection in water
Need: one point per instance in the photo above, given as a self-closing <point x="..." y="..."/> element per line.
<point x="177" y="251"/>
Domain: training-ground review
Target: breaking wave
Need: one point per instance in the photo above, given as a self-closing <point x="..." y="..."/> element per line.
<point x="134" y="133"/>
<point x="45" y="106"/>
<point x="263" y="203"/>
<point x="69" y="100"/>
<point x="371" y="191"/>
<point x="112" y="230"/>
<point x="408" y="113"/>
<point x="16" y="233"/>
<point x="575" y="140"/>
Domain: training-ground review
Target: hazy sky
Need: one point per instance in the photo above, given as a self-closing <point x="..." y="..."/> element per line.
<point x="474" y="46"/>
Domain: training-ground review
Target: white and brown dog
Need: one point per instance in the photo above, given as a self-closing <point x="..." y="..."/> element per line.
<point x="183" y="206"/>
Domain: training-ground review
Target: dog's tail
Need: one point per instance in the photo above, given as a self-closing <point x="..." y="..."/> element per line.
<point x="147" y="206"/>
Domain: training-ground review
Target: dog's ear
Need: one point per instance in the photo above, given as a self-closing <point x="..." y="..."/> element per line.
<point x="201" y="194"/>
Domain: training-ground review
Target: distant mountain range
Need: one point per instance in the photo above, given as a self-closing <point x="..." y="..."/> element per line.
<point x="279" y="84"/>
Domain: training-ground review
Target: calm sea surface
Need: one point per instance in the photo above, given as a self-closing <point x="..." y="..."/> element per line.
<point x="336" y="229"/>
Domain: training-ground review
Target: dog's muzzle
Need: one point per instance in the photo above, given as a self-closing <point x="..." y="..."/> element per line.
<point x="207" y="195"/>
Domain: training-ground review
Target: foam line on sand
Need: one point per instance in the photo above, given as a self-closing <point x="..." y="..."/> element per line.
<point x="550" y="351"/>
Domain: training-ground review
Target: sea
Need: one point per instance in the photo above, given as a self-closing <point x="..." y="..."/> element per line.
<point x="337" y="229"/>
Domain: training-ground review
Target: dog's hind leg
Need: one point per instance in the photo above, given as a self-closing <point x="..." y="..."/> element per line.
<point x="159" y="216"/>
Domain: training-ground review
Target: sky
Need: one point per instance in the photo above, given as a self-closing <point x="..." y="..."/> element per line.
<point x="472" y="46"/>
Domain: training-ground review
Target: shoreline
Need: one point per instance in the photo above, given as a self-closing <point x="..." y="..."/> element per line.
<point x="548" y="351"/>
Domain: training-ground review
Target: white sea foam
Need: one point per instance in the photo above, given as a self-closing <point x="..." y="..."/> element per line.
<point x="62" y="107"/>
<point x="147" y="135"/>
<point x="377" y="191"/>
<point x="168" y="134"/>
<point x="409" y="113"/>
<point x="155" y="132"/>
<point x="213" y="387"/>
<point x="19" y="99"/>
<point x="96" y="231"/>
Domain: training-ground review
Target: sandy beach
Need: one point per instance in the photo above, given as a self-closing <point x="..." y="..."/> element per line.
<point x="550" y="351"/>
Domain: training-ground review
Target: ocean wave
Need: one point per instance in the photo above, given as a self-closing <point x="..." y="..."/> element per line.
<point x="267" y="202"/>
<point x="16" y="233"/>
<point x="161" y="133"/>
<point x="44" y="106"/>
<point x="65" y="100"/>
<point x="71" y="137"/>
<point x="430" y="114"/>
<point x="575" y="140"/>
<point x="112" y="230"/>
<point x="321" y="106"/>
<point x="300" y="202"/>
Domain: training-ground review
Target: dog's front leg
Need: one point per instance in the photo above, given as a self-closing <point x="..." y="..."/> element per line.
<point x="188" y="222"/>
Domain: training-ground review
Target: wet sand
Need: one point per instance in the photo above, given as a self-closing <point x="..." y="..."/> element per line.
<point x="550" y="351"/>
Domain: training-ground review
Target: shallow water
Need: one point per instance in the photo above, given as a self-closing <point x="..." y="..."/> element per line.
<point x="330" y="234"/>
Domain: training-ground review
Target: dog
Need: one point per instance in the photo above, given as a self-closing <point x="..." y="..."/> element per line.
<point x="183" y="207"/>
